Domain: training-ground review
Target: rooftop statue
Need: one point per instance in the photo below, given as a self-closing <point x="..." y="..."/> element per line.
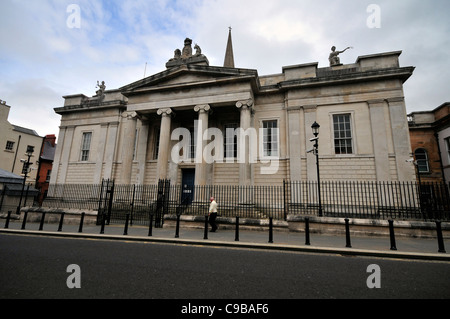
<point x="187" y="50"/>
<point x="185" y="56"/>
<point x="101" y="89"/>
<point x="334" y="59"/>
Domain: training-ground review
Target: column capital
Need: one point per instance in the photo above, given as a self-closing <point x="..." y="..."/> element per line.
<point x="202" y="108"/>
<point x="246" y="104"/>
<point x="165" y="112"/>
<point x="131" y="115"/>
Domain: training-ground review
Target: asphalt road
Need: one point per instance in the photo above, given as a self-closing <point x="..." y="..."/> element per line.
<point x="37" y="267"/>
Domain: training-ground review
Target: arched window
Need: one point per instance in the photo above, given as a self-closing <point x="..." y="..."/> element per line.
<point x="422" y="160"/>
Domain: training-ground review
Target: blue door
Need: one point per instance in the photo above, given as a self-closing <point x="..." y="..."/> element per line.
<point x="187" y="185"/>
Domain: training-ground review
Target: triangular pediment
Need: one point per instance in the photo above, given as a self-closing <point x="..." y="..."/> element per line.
<point x="189" y="76"/>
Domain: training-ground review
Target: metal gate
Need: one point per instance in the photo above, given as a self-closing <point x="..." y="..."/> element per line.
<point x="140" y="203"/>
<point x="105" y="201"/>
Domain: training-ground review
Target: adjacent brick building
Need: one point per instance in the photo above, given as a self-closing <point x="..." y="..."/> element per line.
<point x="430" y="143"/>
<point x="45" y="165"/>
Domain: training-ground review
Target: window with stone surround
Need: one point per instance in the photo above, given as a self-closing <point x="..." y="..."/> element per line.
<point x="342" y="127"/>
<point x="9" y="145"/>
<point x="86" y="146"/>
<point x="270" y="138"/>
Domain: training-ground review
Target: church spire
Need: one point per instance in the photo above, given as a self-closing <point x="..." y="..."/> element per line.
<point x="229" y="57"/>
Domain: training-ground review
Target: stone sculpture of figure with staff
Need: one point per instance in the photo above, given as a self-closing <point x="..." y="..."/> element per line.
<point x="334" y="59"/>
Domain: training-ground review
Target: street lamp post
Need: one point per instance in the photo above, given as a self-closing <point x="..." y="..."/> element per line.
<point x="315" y="129"/>
<point x="29" y="153"/>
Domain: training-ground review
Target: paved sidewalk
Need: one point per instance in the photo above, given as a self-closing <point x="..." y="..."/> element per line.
<point x="414" y="248"/>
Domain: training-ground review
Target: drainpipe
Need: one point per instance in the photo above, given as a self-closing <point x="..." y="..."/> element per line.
<point x="436" y="135"/>
<point x="15" y="155"/>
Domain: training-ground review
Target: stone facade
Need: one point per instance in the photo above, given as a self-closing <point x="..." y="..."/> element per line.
<point x="133" y="134"/>
<point x="14" y="141"/>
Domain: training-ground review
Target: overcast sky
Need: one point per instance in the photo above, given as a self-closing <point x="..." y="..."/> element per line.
<point x="45" y="54"/>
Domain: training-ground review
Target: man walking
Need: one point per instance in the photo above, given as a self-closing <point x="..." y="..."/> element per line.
<point x="213" y="214"/>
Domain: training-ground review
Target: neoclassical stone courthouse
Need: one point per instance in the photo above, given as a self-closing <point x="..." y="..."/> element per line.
<point x="149" y="130"/>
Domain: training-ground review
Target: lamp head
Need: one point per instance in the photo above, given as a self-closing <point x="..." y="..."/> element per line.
<point x="30" y="150"/>
<point x="315" y="128"/>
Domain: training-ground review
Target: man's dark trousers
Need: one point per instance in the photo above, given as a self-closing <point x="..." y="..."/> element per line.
<point x="212" y="221"/>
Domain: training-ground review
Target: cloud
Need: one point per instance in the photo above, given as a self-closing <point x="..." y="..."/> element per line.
<point x="116" y="40"/>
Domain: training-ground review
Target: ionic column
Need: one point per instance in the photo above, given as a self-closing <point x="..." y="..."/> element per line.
<point x="141" y="153"/>
<point x="200" y="164"/>
<point x="245" y="173"/>
<point x="164" y="143"/>
<point x="128" y="145"/>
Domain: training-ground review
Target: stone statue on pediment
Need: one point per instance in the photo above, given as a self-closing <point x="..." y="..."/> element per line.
<point x="186" y="56"/>
<point x="187" y="50"/>
<point x="176" y="55"/>
<point x="334" y="58"/>
<point x="101" y="89"/>
<point x="198" y="50"/>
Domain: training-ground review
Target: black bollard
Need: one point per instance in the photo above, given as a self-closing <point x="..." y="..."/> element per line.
<point x="205" y="236"/>
<point x="439" y="236"/>
<point x="125" y="231"/>
<point x="307" y="231"/>
<point x="61" y="221"/>
<point x="102" y="228"/>
<point x="41" y="225"/>
<point x="80" y="229"/>
<point x="236" y="235"/>
<point x="150" y="226"/>
<point x="270" y="230"/>
<point x="347" y="234"/>
<point x="392" y="235"/>
<point x="177" y="228"/>
<point x="7" y="219"/>
<point x="24" y="222"/>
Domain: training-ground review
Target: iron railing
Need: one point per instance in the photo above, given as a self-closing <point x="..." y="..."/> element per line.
<point x="356" y="199"/>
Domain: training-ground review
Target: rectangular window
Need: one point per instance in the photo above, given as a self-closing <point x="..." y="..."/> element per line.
<point x="342" y="134"/>
<point x="49" y="173"/>
<point x="86" y="146"/>
<point x="9" y="146"/>
<point x="422" y="160"/>
<point x="447" y="145"/>
<point x="230" y="141"/>
<point x="270" y="138"/>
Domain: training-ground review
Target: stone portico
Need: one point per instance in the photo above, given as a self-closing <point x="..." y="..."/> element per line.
<point x="127" y="134"/>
